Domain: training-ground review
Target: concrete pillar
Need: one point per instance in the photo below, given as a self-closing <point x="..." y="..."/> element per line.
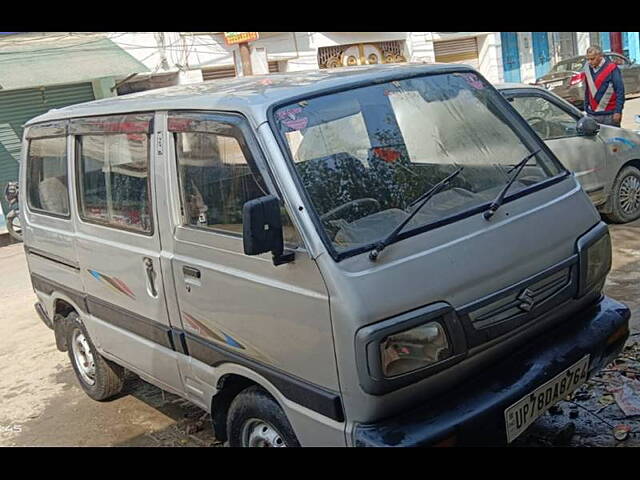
<point x="583" y="42"/>
<point x="527" y="68"/>
<point x="420" y="47"/>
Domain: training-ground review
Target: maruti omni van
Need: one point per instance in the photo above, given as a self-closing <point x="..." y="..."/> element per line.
<point x="381" y="256"/>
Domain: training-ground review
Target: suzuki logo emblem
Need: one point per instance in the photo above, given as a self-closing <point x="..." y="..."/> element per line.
<point x="526" y="300"/>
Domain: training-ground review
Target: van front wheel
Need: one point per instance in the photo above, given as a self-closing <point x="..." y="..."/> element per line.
<point x="256" y="420"/>
<point x="100" y="378"/>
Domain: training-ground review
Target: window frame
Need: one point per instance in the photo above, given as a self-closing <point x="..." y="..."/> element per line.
<point x="30" y="138"/>
<point x="558" y="102"/>
<point x="78" y="170"/>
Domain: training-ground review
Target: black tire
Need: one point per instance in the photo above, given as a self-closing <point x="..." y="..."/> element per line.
<point x="618" y="213"/>
<point x="15" y="233"/>
<point x="253" y="404"/>
<point x="108" y="377"/>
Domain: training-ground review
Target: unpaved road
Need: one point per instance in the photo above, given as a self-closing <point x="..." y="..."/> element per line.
<point x="42" y="404"/>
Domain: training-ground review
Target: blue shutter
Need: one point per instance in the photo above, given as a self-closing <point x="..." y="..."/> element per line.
<point x="510" y="57"/>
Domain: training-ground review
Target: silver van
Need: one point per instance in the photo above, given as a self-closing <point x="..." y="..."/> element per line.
<point x="363" y="257"/>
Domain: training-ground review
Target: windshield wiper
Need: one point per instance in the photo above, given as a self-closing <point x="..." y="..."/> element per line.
<point x="495" y="205"/>
<point x="422" y="200"/>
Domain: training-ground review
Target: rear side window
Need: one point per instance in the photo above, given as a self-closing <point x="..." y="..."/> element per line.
<point x="47" y="189"/>
<point x="114" y="174"/>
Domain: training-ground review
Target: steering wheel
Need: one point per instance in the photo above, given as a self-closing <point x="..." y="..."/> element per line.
<point x="539" y="120"/>
<point x="350" y="204"/>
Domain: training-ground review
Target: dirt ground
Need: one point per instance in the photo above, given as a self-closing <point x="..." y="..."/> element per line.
<point x="42" y="404"/>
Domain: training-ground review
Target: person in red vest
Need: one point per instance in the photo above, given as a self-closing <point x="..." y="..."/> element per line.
<point x="604" y="90"/>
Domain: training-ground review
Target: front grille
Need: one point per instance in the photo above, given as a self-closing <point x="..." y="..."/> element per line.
<point x="521" y="302"/>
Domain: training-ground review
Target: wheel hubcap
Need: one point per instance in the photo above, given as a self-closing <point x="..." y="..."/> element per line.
<point x="258" y="433"/>
<point x="630" y="194"/>
<point x="83" y="357"/>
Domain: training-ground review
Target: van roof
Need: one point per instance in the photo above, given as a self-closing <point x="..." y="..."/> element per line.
<point x="248" y="95"/>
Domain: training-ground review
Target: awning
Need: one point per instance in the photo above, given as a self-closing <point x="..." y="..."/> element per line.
<point x="28" y="61"/>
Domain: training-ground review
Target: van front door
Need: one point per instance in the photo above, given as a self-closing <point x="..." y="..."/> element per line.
<point x="236" y="308"/>
<point x="119" y="245"/>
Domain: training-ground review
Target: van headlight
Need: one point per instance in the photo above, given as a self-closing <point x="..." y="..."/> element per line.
<point x="407" y="348"/>
<point x="595" y="257"/>
<point x="412" y="349"/>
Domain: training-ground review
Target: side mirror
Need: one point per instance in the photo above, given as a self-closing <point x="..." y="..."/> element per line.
<point x="262" y="229"/>
<point x="587" y="126"/>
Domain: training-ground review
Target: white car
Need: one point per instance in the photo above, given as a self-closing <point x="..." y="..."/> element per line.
<point x="605" y="159"/>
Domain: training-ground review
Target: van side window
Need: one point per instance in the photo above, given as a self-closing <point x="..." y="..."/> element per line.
<point x="215" y="180"/>
<point x="114" y="180"/>
<point x="47" y="189"/>
<point x="215" y="174"/>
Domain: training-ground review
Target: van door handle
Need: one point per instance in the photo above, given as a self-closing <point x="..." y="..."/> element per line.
<point x="191" y="272"/>
<point x="148" y="264"/>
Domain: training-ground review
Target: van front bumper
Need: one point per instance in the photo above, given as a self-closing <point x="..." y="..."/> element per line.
<point x="473" y="413"/>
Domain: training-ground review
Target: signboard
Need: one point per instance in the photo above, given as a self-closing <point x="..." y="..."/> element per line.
<point x="231" y="38"/>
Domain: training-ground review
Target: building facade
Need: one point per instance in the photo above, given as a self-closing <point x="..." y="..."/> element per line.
<point x="42" y="71"/>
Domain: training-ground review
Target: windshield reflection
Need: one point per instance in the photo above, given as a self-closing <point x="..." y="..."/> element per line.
<point x="364" y="155"/>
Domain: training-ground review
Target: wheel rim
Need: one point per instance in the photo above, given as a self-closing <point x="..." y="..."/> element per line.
<point x="258" y="433"/>
<point x="629" y="194"/>
<point x="83" y="357"/>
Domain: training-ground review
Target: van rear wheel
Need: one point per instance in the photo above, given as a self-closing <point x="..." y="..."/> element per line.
<point x="100" y="378"/>
<point x="256" y="420"/>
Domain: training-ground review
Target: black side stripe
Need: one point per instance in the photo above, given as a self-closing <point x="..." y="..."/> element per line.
<point x="130" y="321"/>
<point x="313" y="397"/>
<point x="309" y="395"/>
<point x="49" y="286"/>
<point x="53" y="258"/>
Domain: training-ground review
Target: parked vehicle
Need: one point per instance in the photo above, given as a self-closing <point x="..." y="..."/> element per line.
<point x="381" y="255"/>
<point x="564" y="78"/>
<point x="605" y="159"/>
<point x="12" y="219"/>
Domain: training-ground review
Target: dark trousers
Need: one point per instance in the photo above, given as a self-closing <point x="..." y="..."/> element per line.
<point x="605" y="120"/>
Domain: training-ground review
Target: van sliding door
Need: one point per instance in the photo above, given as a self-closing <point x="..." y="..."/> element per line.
<point x="118" y="244"/>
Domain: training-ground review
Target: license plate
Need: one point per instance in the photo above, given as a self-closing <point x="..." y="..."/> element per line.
<point x="523" y="413"/>
<point x="554" y="84"/>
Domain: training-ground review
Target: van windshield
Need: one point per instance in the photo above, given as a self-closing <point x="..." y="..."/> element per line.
<point x="365" y="154"/>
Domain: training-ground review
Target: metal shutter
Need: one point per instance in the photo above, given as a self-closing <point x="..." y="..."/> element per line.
<point x="218" y="72"/>
<point x="458" y="51"/>
<point x="214" y="73"/>
<point x="19" y="106"/>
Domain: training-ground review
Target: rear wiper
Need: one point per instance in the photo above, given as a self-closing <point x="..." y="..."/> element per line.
<point x="495" y="205"/>
<point x="422" y="200"/>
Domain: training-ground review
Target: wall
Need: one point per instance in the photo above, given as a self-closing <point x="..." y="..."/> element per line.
<point x="490" y="57"/>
